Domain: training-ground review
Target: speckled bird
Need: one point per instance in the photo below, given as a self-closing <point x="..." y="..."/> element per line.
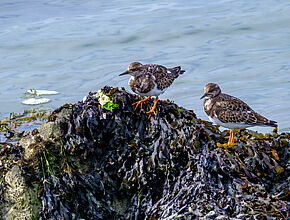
<point x="230" y="112"/>
<point x="150" y="80"/>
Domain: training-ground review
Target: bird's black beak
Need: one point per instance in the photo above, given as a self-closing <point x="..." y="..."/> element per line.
<point x="126" y="72"/>
<point x="204" y="95"/>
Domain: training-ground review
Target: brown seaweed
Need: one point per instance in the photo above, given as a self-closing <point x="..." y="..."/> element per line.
<point x="102" y="164"/>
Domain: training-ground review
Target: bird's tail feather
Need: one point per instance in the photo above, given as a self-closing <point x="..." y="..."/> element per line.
<point x="176" y="71"/>
<point x="272" y="123"/>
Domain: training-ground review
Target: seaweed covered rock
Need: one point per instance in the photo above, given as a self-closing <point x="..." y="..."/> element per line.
<point x="18" y="198"/>
<point x="15" y="200"/>
<point x="101" y="159"/>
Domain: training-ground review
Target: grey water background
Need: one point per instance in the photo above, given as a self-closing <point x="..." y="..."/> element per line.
<point x="82" y="45"/>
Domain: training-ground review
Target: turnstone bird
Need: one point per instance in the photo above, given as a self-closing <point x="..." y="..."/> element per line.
<point x="150" y="80"/>
<point x="230" y="112"/>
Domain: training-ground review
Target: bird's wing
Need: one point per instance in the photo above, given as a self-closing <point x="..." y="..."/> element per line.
<point x="230" y="109"/>
<point x="165" y="76"/>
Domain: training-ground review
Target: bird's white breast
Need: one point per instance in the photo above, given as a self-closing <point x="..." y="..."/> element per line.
<point x="131" y="80"/>
<point x="207" y="103"/>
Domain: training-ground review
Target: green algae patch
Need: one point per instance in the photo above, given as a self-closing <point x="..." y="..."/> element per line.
<point x="105" y="101"/>
<point x="89" y="162"/>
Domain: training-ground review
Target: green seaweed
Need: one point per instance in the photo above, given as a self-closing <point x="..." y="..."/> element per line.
<point x="105" y="101"/>
<point x="110" y="106"/>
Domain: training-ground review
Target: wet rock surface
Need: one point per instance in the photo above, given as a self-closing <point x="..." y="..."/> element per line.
<point x="87" y="162"/>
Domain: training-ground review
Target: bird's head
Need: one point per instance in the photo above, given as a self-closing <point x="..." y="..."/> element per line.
<point x="133" y="69"/>
<point x="211" y="90"/>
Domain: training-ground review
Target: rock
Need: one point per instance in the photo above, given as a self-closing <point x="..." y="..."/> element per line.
<point x="88" y="162"/>
<point x="17" y="199"/>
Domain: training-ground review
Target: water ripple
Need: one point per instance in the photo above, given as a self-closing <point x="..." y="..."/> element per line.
<point x="80" y="46"/>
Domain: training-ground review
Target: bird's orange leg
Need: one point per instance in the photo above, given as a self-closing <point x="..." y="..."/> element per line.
<point x="153" y="108"/>
<point x="233" y="136"/>
<point x="231" y="139"/>
<point x="230" y="142"/>
<point x="140" y="102"/>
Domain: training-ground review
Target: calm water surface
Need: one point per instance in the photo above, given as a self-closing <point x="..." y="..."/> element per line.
<point x="79" y="46"/>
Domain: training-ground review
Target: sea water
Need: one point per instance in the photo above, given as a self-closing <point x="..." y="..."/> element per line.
<point x="78" y="46"/>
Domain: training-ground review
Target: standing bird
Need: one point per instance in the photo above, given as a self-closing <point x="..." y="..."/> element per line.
<point x="230" y="112"/>
<point x="150" y="80"/>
